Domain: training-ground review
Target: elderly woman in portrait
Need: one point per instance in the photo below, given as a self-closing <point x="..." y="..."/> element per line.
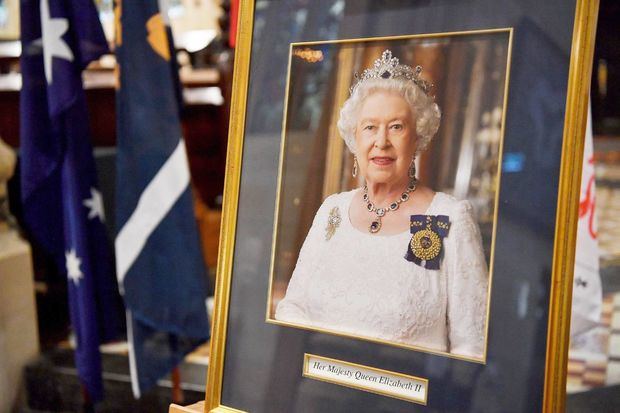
<point x="392" y="260"/>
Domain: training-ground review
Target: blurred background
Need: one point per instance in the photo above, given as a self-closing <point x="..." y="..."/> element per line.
<point x="594" y="358"/>
<point x="37" y="368"/>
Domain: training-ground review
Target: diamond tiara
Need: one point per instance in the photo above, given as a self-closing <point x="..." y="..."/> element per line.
<point x="388" y="67"/>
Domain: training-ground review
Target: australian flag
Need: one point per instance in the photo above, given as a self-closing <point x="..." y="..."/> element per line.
<point x="62" y="205"/>
<point x="159" y="264"/>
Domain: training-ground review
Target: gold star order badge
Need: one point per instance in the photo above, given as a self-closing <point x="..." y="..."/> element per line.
<point x="425" y="244"/>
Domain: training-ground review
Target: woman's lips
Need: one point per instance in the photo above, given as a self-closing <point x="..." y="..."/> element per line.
<point x="382" y="160"/>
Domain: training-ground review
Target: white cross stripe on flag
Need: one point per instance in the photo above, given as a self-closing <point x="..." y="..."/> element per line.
<point x="156" y="200"/>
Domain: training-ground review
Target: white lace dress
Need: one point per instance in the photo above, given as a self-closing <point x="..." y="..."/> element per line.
<point x="362" y="284"/>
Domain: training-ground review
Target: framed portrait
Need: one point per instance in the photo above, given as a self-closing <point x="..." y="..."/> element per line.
<point x="400" y="206"/>
<point x="461" y="159"/>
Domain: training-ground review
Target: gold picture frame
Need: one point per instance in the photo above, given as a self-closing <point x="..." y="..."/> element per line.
<point x="582" y="48"/>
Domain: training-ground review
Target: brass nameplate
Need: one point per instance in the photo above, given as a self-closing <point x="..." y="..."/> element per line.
<point x="371" y="379"/>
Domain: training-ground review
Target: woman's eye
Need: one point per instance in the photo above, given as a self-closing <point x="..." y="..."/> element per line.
<point x="397" y="126"/>
<point x="369" y="127"/>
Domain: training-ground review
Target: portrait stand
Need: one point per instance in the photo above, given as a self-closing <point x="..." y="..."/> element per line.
<point x="194" y="408"/>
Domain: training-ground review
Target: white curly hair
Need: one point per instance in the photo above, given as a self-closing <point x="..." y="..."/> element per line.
<point x="423" y="107"/>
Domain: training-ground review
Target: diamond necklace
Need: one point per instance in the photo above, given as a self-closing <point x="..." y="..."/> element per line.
<point x="375" y="225"/>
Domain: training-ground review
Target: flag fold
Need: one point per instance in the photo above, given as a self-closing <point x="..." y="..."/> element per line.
<point x="62" y="206"/>
<point x="160" y="268"/>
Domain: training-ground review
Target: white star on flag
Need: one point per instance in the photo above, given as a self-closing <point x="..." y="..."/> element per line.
<point x="52" y="30"/>
<point x="95" y="205"/>
<point x="73" y="262"/>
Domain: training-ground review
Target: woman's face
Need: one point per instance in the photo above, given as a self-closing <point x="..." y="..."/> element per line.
<point x="385" y="138"/>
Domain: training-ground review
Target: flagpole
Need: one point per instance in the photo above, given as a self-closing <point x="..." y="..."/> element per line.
<point x="89" y="407"/>
<point x="177" y="392"/>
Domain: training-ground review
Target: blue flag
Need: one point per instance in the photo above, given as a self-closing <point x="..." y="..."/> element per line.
<point x="62" y="206"/>
<point x="159" y="264"/>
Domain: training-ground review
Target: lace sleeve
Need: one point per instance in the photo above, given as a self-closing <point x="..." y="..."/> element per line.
<point x="467" y="284"/>
<point x="293" y="307"/>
